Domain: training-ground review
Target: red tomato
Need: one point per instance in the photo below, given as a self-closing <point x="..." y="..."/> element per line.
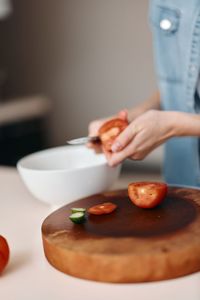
<point x="4" y="253"/>
<point x="102" y="209"/>
<point x="147" y="194"/>
<point x="110" y="130"/>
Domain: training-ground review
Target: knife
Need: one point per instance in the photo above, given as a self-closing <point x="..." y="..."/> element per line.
<point x="84" y="140"/>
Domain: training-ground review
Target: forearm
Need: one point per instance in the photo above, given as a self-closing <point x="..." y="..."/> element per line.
<point x="184" y="124"/>
<point x="150" y="130"/>
<point x="152" y="103"/>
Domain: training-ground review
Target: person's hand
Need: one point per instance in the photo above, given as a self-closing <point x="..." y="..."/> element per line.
<point x="144" y="134"/>
<point x="94" y="126"/>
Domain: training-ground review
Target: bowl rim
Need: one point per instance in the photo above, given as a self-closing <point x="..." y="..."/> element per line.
<point x="21" y="167"/>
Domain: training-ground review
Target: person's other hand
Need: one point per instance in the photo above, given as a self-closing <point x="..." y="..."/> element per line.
<point x="93" y="128"/>
<point x="144" y="134"/>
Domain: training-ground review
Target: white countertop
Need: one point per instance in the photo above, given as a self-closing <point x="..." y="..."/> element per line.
<point x="29" y="276"/>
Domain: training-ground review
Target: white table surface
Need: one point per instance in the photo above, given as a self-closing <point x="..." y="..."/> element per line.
<point x="29" y="276"/>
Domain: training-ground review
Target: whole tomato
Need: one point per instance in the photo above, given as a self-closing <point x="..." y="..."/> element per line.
<point x="147" y="194"/>
<point x="110" y="130"/>
<point x="4" y="253"/>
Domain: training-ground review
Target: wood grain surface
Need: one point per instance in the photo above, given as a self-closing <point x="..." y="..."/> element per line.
<point x="129" y="245"/>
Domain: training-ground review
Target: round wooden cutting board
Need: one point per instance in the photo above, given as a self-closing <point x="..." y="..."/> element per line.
<point x="129" y="245"/>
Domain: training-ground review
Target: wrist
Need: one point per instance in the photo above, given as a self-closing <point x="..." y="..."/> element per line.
<point x="183" y="124"/>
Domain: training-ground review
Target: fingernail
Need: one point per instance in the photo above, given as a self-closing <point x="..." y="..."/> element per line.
<point x="116" y="147"/>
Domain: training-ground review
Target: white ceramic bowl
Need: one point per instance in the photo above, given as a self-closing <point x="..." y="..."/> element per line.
<point x="63" y="174"/>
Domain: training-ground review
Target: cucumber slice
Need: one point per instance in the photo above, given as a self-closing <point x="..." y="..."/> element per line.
<point x="78" y="209"/>
<point x="78" y="217"/>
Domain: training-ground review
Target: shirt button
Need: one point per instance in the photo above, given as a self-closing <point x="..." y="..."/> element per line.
<point x="165" y="24"/>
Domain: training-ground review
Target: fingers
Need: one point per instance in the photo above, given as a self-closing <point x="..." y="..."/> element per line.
<point x="94" y="126"/>
<point x="95" y="146"/>
<point x="138" y="139"/>
<point x="123" y="114"/>
<point x="116" y="158"/>
<point x="133" y="151"/>
<point x="124" y="138"/>
<point x="93" y="131"/>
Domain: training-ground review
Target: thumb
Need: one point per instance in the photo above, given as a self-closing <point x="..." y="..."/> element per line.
<point x="123" y="114"/>
<point x="124" y="138"/>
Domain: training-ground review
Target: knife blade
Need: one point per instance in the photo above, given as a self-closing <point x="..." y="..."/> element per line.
<point x="84" y="140"/>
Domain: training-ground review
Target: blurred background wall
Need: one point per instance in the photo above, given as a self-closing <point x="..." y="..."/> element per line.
<point x="89" y="57"/>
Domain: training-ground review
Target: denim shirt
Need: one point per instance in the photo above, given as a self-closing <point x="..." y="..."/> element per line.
<point x="176" y="37"/>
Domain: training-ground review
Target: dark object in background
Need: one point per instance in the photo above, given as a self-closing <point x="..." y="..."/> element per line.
<point x="23" y="127"/>
<point x="21" y="138"/>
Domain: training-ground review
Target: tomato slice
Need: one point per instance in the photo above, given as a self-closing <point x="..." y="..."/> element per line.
<point x="110" y="130"/>
<point x="147" y="194"/>
<point x="4" y="253"/>
<point x="102" y="209"/>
